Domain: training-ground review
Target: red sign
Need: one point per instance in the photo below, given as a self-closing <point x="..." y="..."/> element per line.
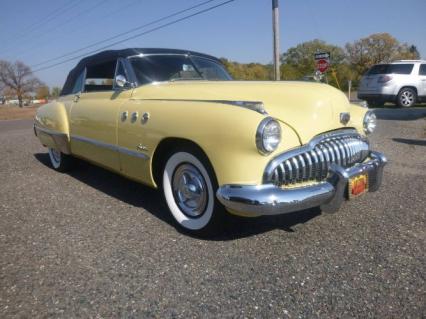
<point x="322" y="65"/>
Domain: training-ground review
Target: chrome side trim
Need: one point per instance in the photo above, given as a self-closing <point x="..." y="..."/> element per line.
<point x="126" y="151"/>
<point x="94" y="142"/>
<point x="49" y="131"/>
<point x="269" y="199"/>
<point x="61" y="139"/>
<point x="256" y="106"/>
<point x="112" y="147"/>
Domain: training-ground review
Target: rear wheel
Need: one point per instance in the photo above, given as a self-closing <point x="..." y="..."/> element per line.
<point x="406" y="97"/>
<point x="189" y="187"/>
<point x="60" y="161"/>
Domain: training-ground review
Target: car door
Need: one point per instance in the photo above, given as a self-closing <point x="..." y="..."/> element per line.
<point x="133" y="132"/>
<point x="422" y="76"/>
<point x="95" y="114"/>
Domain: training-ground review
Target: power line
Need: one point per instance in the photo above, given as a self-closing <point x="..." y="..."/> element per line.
<point x="62" y="23"/>
<point x="122" y="33"/>
<point x="38" y="21"/>
<point x="37" y="46"/>
<point x="137" y="35"/>
<point x="43" y="22"/>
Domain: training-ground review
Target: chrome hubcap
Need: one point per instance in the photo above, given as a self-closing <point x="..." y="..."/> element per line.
<point x="407" y="98"/>
<point x="190" y="190"/>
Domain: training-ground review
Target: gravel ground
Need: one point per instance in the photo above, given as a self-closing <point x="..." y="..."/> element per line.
<point x="12" y="112"/>
<point x="93" y="244"/>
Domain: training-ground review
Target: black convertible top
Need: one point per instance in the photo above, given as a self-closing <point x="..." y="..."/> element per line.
<point x="109" y="55"/>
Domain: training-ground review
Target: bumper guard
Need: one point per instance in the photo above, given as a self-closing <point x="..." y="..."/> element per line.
<point x="269" y="199"/>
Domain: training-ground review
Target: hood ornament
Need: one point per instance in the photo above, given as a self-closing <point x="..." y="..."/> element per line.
<point x="345" y="117"/>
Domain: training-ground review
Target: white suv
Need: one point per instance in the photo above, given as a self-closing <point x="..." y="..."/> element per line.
<point x="402" y="82"/>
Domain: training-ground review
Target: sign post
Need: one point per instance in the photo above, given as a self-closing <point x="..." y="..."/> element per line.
<point x="276" y="31"/>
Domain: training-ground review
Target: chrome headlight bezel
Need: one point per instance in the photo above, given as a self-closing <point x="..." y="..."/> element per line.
<point x="264" y="146"/>
<point x="369" y="122"/>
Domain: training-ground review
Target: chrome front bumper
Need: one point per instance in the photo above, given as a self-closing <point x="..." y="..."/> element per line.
<point x="269" y="199"/>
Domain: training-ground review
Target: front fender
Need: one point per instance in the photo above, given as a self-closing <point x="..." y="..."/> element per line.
<point x="357" y="117"/>
<point x="225" y="133"/>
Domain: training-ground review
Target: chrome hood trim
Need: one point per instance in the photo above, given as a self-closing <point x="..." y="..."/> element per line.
<point x="256" y="106"/>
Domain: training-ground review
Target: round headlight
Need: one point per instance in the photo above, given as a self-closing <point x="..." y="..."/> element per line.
<point x="370" y="122"/>
<point x="268" y="135"/>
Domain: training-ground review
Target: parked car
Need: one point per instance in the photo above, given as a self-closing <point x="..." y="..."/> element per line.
<point x="175" y="120"/>
<point x="401" y="82"/>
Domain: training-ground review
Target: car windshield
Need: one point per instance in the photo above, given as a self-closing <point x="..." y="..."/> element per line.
<point x="391" y="69"/>
<point x="160" y="68"/>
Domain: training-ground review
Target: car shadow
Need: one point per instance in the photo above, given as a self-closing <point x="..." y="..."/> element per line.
<point x="410" y="141"/>
<point x="395" y="114"/>
<point x="151" y="200"/>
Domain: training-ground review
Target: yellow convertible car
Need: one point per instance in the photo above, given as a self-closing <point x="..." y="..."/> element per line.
<point x="175" y="120"/>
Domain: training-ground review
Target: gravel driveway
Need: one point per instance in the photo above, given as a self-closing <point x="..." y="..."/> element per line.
<point x="93" y="244"/>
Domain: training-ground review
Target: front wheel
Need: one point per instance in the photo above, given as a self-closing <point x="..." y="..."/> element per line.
<point x="60" y="161"/>
<point x="189" y="187"/>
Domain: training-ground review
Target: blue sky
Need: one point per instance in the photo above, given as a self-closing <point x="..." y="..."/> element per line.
<point x="239" y="31"/>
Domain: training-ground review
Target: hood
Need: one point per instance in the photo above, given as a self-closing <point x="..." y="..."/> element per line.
<point x="308" y="108"/>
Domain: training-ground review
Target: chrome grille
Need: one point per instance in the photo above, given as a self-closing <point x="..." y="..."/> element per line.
<point x="311" y="162"/>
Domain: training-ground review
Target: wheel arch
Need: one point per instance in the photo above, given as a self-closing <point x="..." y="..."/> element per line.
<point x="167" y="147"/>
<point x="408" y="87"/>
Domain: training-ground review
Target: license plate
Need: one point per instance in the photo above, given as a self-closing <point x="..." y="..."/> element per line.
<point x="358" y="185"/>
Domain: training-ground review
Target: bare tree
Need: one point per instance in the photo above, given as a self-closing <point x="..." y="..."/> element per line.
<point x="18" y="78"/>
<point x="377" y="48"/>
<point x="42" y="92"/>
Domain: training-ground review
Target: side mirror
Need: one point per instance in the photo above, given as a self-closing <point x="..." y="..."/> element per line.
<point x="120" y="81"/>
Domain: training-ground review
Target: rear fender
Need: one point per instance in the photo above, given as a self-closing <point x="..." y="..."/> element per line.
<point x="51" y="126"/>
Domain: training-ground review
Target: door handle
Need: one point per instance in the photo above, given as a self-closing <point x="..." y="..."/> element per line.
<point x="76" y="98"/>
<point x="124" y="115"/>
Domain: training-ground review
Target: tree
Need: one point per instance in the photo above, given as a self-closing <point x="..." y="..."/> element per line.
<point x="415" y="53"/>
<point x="250" y="71"/>
<point x="299" y="61"/>
<point x="56" y="91"/>
<point x="42" y="92"/>
<point x="377" y="48"/>
<point x="18" y="78"/>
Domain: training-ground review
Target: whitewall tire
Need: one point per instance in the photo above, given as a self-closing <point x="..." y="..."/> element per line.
<point x="189" y="190"/>
<point x="60" y="161"/>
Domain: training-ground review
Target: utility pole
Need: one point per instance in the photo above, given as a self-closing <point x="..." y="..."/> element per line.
<point x="276" y="30"/>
